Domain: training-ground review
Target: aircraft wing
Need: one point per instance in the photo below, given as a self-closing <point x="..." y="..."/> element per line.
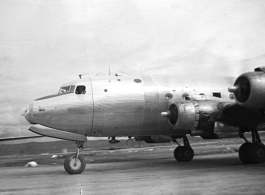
<point x="19" y="138"/>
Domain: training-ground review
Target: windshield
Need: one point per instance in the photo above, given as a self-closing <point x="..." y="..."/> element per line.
<point x="67" y="89"/>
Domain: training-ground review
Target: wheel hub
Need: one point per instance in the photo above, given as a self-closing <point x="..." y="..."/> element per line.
<point x="187" y="153"/>
<point x="75" y="164"/>
<point x="260" y="153"/>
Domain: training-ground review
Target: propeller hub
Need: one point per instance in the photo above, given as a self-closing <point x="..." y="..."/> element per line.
<point x="233" y="89"/>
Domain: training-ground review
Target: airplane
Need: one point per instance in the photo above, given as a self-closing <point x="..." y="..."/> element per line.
<point x="154" y="109"/>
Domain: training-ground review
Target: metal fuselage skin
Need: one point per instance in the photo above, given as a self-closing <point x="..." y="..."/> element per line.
<point x="124" y="105"/>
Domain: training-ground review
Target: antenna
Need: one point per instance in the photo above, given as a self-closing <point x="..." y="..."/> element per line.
<point x="80" y="75"/>
<point x="109" y="70"/>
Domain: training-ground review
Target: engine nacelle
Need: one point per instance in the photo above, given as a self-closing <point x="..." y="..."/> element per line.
<point x="249" y="89"/>
<point x="207" y="119"/>
<point x="192" y="115"/>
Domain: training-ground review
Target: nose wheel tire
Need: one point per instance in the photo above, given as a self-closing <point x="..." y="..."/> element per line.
<point x="183" y="153"/>
<point x="73" y="165"/>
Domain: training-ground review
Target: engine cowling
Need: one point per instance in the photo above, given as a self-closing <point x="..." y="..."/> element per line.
<point x="207" y="119"/>
<point x="192" y="115"/>
<point x="249" y="89"/>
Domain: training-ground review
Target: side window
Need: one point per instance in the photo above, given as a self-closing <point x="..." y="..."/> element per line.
<point x="217" y="94"/>
<point x="80" y="89"/>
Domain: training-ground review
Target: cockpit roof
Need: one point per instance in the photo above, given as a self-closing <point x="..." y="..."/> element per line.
<point x="76" y="82"/>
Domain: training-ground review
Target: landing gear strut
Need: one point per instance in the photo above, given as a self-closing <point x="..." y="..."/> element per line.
<point x="75" y="163"/>
<point x="184" y="153"/>
<point x="252" y="152"/>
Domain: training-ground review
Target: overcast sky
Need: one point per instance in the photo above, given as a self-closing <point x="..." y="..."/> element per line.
<point x="45" y="43"/>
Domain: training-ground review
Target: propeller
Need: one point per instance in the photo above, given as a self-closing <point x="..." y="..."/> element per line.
<point x="172" y="114"/>
<point x="241" y="89"/>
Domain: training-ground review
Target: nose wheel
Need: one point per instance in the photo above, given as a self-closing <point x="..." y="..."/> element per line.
<point x="75" y="163"/>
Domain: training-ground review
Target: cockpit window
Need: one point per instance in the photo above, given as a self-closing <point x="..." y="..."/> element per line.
<point x="67" y="89"/>
<point x="81" y="89"/>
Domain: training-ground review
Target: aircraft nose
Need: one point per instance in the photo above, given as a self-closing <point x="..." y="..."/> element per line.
<point x="28" y="113"/>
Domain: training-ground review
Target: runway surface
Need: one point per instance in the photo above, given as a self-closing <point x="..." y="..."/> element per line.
<point x="215" y="169"/>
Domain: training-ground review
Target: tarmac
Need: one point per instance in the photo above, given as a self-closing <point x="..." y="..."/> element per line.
<point x="151" y="169"/>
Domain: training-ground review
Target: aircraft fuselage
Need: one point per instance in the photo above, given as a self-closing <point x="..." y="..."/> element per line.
<point x="124" y="105"/>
